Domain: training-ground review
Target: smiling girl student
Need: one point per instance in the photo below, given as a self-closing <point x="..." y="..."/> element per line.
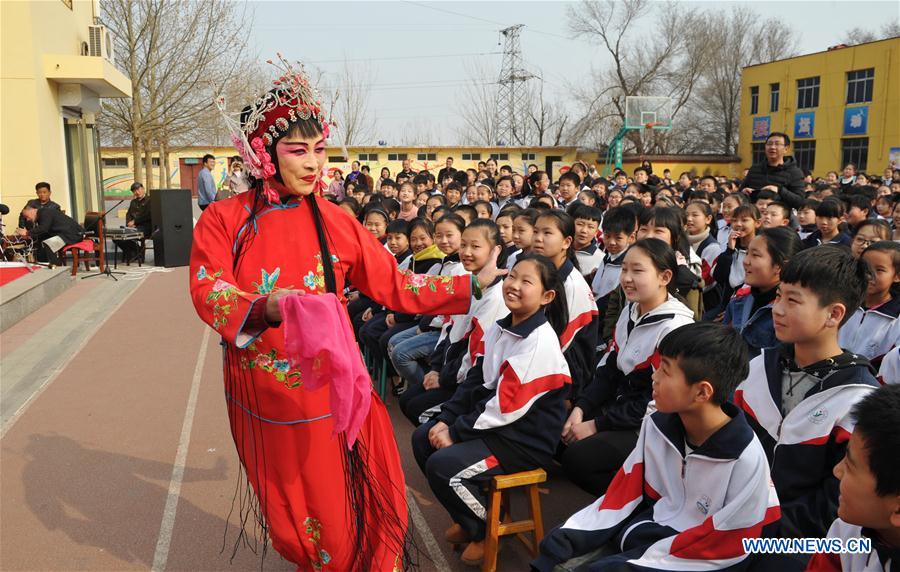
<point x="407" y="348"/>
<point x="699" y="218"/>
<point x="874" y="329"/>
<point x="461" y="336"/>
<point x="750" y="310"/>
<point x="522" y="233"/>
<point x="507" y="415"/>
<point x="728" y="270"/>
<point x="603" y="427"/>
<point x="554" y="234"/>
<point x="729" y="203"/>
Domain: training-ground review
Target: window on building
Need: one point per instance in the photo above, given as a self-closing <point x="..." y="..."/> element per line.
<point x="754" y="100"/>
<point x="154" y="161"/>
<point x="471" y="156"/>
<point x="500" y="156"/>
<point x="774" y="96"/>
<point x="115" y="161"/>
<point x="368" y="157"/>
<point x="758" y="153"/>
<point x="396" y="156"/>
<point x="859" y="86"/>
<point x="528" y="156"/>
<point x="808" y="93"/>
<point x="805" y="154"/>
<point x="426" y="157"/>
<point x="337" y="159"/>
<point x="856" y="151"/>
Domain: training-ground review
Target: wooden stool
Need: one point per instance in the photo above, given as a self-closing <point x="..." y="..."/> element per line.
<point x="499" y="497"/>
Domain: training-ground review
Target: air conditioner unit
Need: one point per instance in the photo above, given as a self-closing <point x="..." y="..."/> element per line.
<point x="101" y="43"/>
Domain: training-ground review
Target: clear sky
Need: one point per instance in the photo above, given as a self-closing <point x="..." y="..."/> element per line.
<point x="420" y="53"/>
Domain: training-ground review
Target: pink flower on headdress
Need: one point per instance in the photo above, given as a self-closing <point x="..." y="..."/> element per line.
<point x="258" y="145"/>
<point x="325" y="128"/>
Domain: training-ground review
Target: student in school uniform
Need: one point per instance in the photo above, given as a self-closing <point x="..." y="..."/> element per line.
<point x="696" y="482"/>
<point x="507" y="415"/>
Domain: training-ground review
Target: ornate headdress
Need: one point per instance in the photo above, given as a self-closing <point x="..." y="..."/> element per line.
<point x="271" y="115"/>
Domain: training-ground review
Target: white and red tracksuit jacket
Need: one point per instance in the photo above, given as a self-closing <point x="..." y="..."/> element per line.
<point x="667" y="510"/>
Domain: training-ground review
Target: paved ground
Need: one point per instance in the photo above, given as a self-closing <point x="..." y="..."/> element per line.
<point x="115" y="449"/>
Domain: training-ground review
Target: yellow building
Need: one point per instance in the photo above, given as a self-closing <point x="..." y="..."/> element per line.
<point x="50" y="86"/>
<point x="184" y="164"/>
<point x="838" y="106"/>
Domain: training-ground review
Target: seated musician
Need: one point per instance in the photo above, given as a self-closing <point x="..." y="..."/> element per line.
<point x="42" y="201"/>
<point x="48" y="223"/>
<point x="138" y="218"/>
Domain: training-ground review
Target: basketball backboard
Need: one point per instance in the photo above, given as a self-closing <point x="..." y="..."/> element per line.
<point x="648" y="112"/>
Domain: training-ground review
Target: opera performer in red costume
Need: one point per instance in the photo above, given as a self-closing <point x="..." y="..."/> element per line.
<point x="327" y="502"/>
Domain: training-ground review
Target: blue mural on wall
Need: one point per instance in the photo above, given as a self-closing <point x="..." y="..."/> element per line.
<point x="856" y="120"/>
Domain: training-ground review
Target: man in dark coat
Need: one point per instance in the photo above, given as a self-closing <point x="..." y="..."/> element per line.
<point x="42" y="201"/>
<point x="137" y="217"/>
<point x="48" y="223"/>
<point x="778" y="173"/>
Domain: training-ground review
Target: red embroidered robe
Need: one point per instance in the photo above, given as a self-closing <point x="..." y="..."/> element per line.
<point x="283" y="431"/>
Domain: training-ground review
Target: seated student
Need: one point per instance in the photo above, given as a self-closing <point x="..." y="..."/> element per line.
<point x="567" y="189"/>
<point x="776" y="214"/>
<point x="504" y="190"/>
<point x="806" y="217"/>
<point x="870" y="488"/>
<point x="874" y="329"/>
<point x="453" y="195"/>
<point x="47" y="223"/>
<point x="696" y="482"/>
<point x="467" y="212"/>
<point x="587" y="252"/>
<point x="407" y="197"/>
<point x="763" y="198"/>
<point x="554" y="233"/>
<point x="729" y="203"/>
<point x="602" y="428"/>
<point x="461" y="335"/>
<point x="522" y="234"/>
<point x="866" y="233"/>
<point x="857" y="209"/>
<point x="750" y="310"/>
<point x="698" y="221"/>
<point x="729" y="268"/>
<point x="507" y="415"/>
<point x="798" y="395"/>
<point x="505" y="224"/>
<point x="619" y="227"/>
<point x="407" y="348"/>
<point x="829" y="216"/>
<point x="483" y="209"/>
<point x="361" y="308"/>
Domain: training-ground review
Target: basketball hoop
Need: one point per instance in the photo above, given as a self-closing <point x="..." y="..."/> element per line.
<point x="652" y="125"/>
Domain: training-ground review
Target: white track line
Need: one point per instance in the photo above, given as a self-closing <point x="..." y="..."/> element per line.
<point x="431" y="544"/>
<point x="15" y="416"/>
<point x="168" y="521"/>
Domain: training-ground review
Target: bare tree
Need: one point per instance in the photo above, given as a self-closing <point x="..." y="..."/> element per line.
<point x="349" y="93"/>
<point x="548" y="120"/>
<point x="737" y="38"/>
<point x="861" y="36"/>
<point x="178" y="55"/>
<point x="666" y="61"/>
<point x="476" y="105"/>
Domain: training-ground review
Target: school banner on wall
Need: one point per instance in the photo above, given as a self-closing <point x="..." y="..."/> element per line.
<point x="856" y="120"/>
<point x="762" y="126"/>
<point x="804" y="125"/>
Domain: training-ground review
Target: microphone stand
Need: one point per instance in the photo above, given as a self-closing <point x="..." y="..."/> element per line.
<point x="106" y="270"/>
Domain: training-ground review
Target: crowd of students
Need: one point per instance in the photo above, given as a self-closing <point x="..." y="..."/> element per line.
<point x="714" y="359"/>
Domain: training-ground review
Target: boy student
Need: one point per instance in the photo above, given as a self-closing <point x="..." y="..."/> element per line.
<point x="697" y="481"/>
<point x="567" y="191"/>
<point x="587" y="223"/>
<point x="619" y="232"/>
<point x="806" y="216"/>
<point x="870" y="488"/>
<point x="776" y="214"/>
<point x="798" y="396"/>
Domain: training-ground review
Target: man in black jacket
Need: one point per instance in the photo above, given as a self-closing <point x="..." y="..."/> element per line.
<point x="137" y="217"/>
<point x="447" y="171"/>
<point x="49" y="223"/>
<point x="778" y="172"/>
<point x="42" y="201"/>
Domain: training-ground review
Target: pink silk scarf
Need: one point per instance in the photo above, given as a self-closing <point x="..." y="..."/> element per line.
<point x="319" y="342"/>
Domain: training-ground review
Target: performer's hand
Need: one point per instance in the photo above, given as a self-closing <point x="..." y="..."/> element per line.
<point x="431" y="380"/>
<point x="390" y="321"/>
<point x="583" y="430"/>
<point x="21" y="232"/>
<point x="490" y="272"/>
<point x="575" y="418"/>
<point x="273" y="310"/>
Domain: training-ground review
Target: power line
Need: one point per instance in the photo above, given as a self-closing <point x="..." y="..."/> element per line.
<point x="462" y="15"/>
<point x="393" y="58"/>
